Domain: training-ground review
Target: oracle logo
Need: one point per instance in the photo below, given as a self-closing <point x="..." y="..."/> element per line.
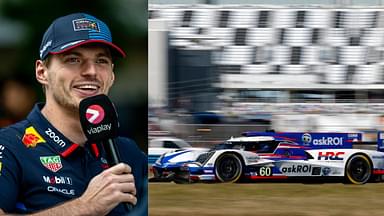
<point x="95" y="114"/>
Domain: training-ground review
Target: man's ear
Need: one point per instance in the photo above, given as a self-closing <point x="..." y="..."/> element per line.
<point x="113" y="74"/>
<point x="113" y="78"/>
<point x="41" y="72"/>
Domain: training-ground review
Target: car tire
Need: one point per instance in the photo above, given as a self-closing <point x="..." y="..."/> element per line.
<point x="228" y="168"/>
<point x="358" y="169"/>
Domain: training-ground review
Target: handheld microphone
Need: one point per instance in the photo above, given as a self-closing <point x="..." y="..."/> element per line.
<point x="99" y="122"/>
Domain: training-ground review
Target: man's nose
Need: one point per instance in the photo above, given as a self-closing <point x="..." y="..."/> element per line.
<point x="89" y="69"/>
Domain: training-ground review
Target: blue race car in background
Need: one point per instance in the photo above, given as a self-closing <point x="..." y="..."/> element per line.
<point x="268" y="155"/>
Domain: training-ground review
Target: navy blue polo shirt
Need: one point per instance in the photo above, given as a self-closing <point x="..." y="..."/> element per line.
<point x="41" y="168"/>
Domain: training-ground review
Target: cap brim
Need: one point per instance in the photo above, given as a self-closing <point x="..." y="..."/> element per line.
<point x="115" y="48"/>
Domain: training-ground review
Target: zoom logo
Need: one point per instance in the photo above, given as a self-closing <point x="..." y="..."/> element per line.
<point x="95" y="114"/>
<point x="54" y="137"/>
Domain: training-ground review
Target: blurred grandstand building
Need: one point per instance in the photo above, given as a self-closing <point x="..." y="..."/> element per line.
<point x="300" y="65"/>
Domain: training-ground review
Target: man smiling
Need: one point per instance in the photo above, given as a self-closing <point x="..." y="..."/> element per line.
<point x="48" y="166"/>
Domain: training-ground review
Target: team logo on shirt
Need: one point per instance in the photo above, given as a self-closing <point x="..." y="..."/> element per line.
<point x="31" y="138"/>
<point x="61" y="190"/>
<point x="55" y="138"/>
<point x="52" y="163"/>
<point x="58" y="180"/>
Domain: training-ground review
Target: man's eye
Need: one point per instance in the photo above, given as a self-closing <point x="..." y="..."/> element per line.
<point x="102" y="61"/>
<point x="72" y="60"/>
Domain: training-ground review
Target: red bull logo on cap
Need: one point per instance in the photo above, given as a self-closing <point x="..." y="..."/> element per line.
<point x="85" y="24"/>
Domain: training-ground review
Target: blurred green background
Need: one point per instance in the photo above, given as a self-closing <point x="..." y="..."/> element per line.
<point x="22" y="25"/>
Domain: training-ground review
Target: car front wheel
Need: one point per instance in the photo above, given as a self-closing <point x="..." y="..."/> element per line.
<point x="228" y="168"/>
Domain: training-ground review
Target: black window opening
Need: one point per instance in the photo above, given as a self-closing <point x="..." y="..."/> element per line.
<point x="345" y="96"/>
<point x="264" y="17"/>
<point x="281" y="36"/>
<point x="296" y="55"/>
<point x="351" y="70"/>
<point x="315" y="36"/>
<point x="277" y="69"/>
<point x="339" y="19"/>
<point x="300" y="19"/>
<point x="170" y="144"/>
<point x="201" y="31"/>
<point x="187" y="18"/>
<point x="376" y="96"/>
<point x="375" y="18"/>
<point x="354" y="35"/>
<point x="152" y="14"/>
<point x="224" y="18"/>
<point x="354" y="41"/>
<point x="240" y="37"/>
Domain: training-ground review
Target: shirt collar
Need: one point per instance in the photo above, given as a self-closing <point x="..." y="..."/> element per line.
<point x="53" y="137"/>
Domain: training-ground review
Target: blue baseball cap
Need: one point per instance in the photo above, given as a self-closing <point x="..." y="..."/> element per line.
<point x="74" y="30"/>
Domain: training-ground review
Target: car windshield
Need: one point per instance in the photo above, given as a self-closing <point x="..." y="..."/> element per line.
<point x="222" y="146"/>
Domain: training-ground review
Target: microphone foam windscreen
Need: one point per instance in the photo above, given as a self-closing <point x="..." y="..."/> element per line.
<point x="98" y="118"/>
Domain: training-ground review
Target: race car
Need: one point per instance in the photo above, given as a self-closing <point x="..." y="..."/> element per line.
<point x="161" y="145"/>
<point x="260" y="155"/>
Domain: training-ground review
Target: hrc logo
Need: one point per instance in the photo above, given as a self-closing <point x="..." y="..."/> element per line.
<point x="330" y="155"/>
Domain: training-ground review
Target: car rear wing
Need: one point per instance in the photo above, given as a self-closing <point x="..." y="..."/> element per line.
<point x="315" y="140"/>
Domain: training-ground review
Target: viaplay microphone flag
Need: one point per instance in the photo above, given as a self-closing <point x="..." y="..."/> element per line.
<point x="98" y="118"/>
